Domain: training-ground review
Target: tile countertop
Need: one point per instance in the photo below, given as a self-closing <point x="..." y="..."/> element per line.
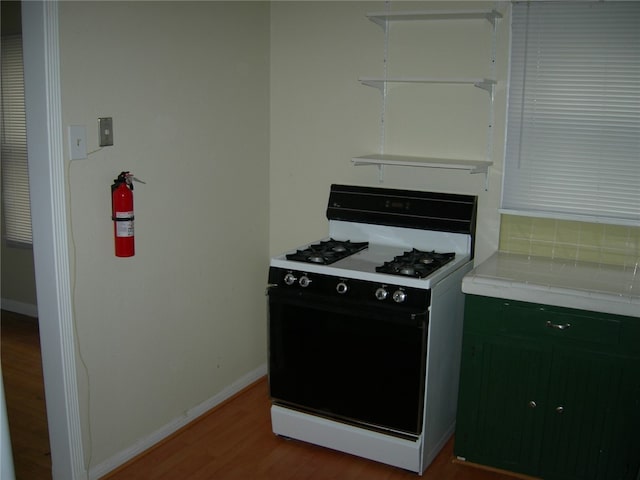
<point x="565" y="283"/>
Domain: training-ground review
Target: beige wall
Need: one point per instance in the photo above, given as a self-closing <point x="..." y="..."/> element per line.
<point x="321" y="116"/>
<point x="187" y="86"/>
<point x="18" y="279"/>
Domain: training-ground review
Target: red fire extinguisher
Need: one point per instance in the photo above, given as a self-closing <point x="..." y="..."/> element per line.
<point x="122" y="214"/>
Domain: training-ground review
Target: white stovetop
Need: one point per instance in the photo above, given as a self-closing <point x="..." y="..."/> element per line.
<point x="565" y="283"/>
<point x="385" y="243"/>
<point x="362" y="265"/>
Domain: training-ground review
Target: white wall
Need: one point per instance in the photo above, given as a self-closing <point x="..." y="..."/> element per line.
<point x="239" y="116"/>
<point x="321" y="116"/>
<point x="187" y="86"/>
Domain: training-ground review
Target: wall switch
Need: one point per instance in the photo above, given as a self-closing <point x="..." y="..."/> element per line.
<point x="105" y="129"/>
<point x="77" y="142"/>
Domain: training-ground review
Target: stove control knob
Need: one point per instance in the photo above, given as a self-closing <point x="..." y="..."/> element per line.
<point x="304" y="281"/>
<point x="399" y="296"/>
<point x="342" y="288"/>
<point x="381" y="294"/>
<point x="290" y="278"/>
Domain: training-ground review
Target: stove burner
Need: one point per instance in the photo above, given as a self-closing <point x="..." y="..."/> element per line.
<point x="327" y="251"/>
<point x="416" y="263"/>
<point x="408" y="270"/>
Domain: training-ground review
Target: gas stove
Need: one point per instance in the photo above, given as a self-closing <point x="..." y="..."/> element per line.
<point x="376" y="302"/>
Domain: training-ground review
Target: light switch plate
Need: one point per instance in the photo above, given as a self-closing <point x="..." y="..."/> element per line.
<point x="105" y="130"/>
<point x="77" y="142"/>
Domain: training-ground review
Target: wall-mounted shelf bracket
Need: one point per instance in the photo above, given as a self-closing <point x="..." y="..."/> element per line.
<point x="486" y="84"/>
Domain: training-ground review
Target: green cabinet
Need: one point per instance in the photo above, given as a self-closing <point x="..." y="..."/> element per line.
<point x="549" y="391"/>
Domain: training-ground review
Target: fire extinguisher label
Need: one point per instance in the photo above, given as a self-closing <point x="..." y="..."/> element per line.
<point x="124" y="228"/>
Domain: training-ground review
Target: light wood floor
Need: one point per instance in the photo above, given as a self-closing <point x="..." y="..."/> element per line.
<point x="233" y="441"/>
<point x="24" y="393"/>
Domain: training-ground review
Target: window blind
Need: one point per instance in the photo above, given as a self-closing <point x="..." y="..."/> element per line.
<point x="15" y="174"/>
<point x="573" y="124"/>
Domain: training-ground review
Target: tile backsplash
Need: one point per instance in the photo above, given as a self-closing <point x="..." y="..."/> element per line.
<point x="572" y="240"/>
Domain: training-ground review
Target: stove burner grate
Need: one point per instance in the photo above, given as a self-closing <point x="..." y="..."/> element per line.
<point x="416" y="263"/>
<point x="327" y="251"/>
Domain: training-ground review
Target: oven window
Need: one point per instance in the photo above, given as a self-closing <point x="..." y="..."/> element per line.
<point x="362" y="365"/>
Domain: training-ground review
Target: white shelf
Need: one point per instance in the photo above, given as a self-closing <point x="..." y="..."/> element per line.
<point x="384" y="19"/>
<point x="379" y="82"/>
<point x="473" y="166"/>
<point x="381" y="18"/>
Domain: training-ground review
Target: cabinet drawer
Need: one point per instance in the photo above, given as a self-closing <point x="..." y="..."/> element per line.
<point x="541" y="321"/>
<point x="520" y="319"/>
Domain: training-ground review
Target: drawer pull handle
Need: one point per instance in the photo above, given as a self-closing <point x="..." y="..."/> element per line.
<point x="560" y="409"/>
<point x="558" y="326"/>
<point x="532" y="404"/>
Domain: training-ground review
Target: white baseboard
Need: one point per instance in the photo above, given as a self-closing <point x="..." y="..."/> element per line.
<point x="20" y="307"/>
<point x="143" y="444"/>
